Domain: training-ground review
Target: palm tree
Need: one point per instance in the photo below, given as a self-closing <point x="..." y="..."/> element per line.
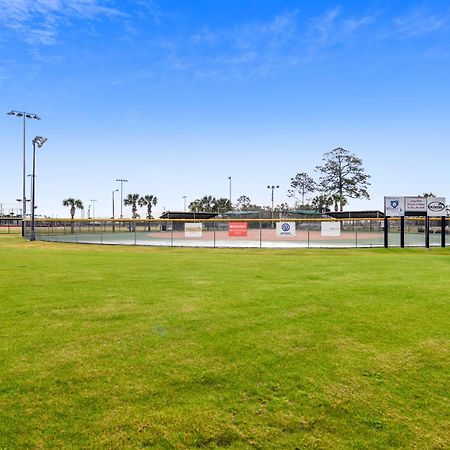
<point x="322" y="203"/>
<point x="74" y="204"/>
<point x="195" y="206"/>
<point x="132" y="200"/>
<point x="149" y="201"/>
<point x="338" y="201"/>
<point x="221" y="205"/>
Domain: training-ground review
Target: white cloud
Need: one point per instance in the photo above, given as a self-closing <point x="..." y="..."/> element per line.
<point x="332" y="27"/>
<point x="239" y="51"/>
<point x="420" y="22"/>
<point x="39" y="21"/>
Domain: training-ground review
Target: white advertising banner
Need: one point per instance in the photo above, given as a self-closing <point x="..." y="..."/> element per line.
<point x="285" y="229"/>
<point x="330" y="229"/>
<point x="416" y="204"/>
<point x="436" y="207"/>
<point x="394" y="206"/>
<point x="193" y="230"/>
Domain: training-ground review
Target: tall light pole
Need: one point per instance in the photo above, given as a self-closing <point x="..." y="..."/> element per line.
<point x="229" y="178"/>
<point x="272" y="188"/>
<point x="93" y="208"/>
<point x="24" y="115"/>
<point x="184" y="198"/>
<point x="30" y="175"/>
<point x="122" y="180"/>
<point x="113" y="196"/>
<point x="39" y="141"/>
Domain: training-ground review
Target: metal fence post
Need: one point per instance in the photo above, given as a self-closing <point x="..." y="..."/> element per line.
<point x="260" y="234"/>
<point x="402" y="232"/>
<point x="443" y="224"/>
<point x="386" y="231"/>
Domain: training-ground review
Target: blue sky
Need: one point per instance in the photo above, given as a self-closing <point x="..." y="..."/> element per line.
<point x="177" y="96"/>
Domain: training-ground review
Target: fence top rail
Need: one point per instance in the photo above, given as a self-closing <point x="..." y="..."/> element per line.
<point x="150" y="221"/>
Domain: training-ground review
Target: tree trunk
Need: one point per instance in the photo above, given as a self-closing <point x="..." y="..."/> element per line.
<point x="72" y="214"/>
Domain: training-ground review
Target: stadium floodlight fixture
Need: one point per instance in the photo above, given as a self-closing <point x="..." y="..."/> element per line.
<point x="39" y="141"/>
<point x="273" y="187"/>
<point x="25" y="115"/>
<point x="121" y="180"/>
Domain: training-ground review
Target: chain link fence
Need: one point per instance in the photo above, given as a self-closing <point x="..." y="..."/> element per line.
<point x="252" y="233"/>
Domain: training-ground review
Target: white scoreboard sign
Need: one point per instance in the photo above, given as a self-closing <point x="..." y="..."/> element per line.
<point x="415" y="204"/>
<point x="436" y="207"/>
<point x="394" y="206"/>
<point x="431" y="206"/>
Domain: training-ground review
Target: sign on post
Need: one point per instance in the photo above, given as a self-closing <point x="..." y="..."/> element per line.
<point x="394" y="206"/>
<point x="285" y="229"/>
<point x="416" y="205"/>
<point x="436" y="207"/>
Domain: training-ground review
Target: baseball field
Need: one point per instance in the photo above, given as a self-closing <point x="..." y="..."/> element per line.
<point x="133" y="347"/>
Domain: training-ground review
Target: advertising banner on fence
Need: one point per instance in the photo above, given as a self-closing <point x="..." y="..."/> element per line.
<point x="237" y="229"/>
<point x="285" y="229"/>
<point x="416" y="205"/>
<point x="193" y="230"/>
<point x="330" y="229"/>
<point x="394" y="206"/>
<point x="436" y="207"/>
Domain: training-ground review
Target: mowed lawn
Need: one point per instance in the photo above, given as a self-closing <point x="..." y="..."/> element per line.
<point x="121" y="347"/>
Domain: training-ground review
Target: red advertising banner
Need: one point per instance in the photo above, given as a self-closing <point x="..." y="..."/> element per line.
<point x="237" y="229"/>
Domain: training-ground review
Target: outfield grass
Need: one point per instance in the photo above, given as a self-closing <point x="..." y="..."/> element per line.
<point x="122" y="347"/>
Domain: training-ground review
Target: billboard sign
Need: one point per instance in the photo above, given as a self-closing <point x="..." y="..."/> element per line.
<point x="285" y="229"/>
<point x="237" y="229"/>
<point x="330" y="229"/>
<point x="394" y="206"/>
<point x="193" y="230"/>
<point x="416" y="205"/>
<point x="436" y="207"/>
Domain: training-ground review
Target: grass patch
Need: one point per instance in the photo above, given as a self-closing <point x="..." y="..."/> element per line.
<point x="123" y="347"/>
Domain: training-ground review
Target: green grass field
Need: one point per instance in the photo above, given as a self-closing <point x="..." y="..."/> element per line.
<point x="123" y="347"/>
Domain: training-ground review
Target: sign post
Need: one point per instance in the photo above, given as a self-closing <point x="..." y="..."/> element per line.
<point x="443" y="223"/>
<point x="394" y="207"/>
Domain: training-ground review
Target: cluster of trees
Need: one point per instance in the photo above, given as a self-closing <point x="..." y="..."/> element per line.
<point x="341" y="176"/>
<point x="209" y="203"/>
<point x="133" y="200"/>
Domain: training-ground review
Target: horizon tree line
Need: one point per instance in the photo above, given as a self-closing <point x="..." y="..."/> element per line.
<point x="341" y="176"/>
